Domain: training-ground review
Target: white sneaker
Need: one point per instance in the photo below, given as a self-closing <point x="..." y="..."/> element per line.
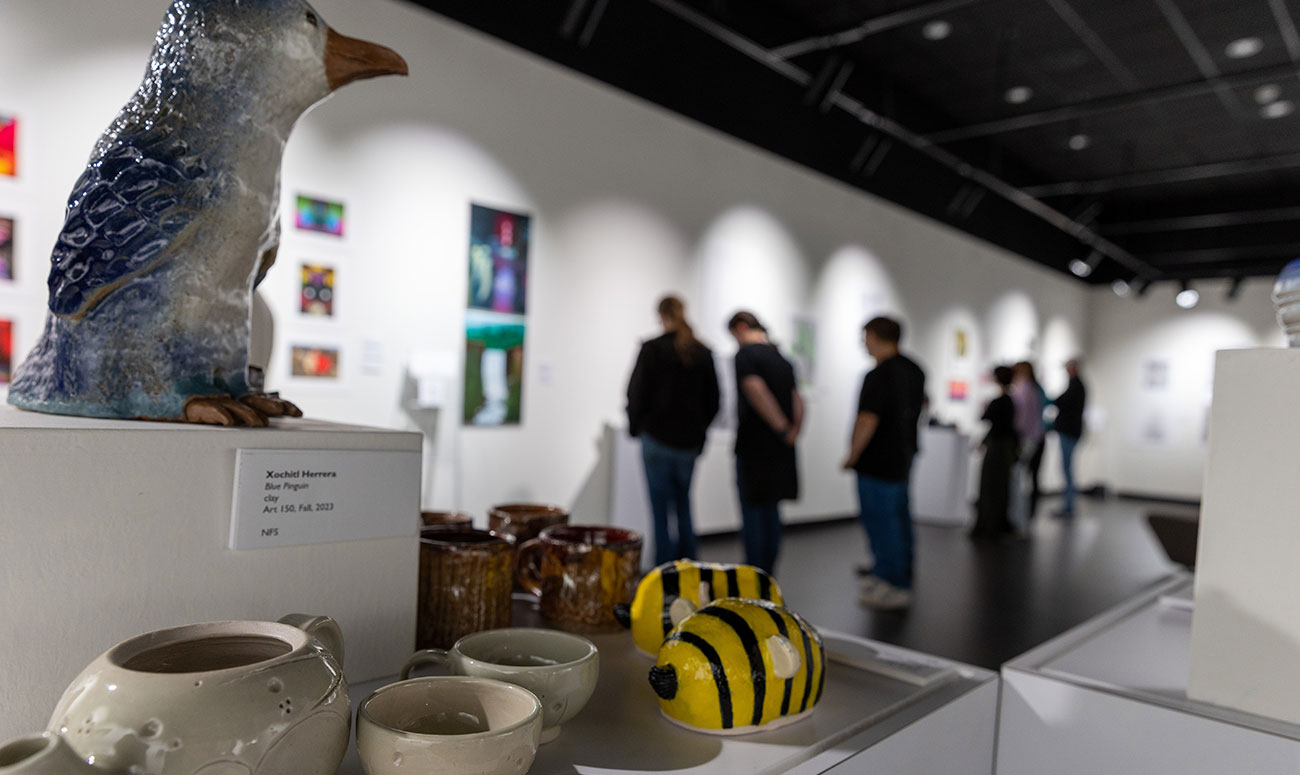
<point x="883" y="596"/>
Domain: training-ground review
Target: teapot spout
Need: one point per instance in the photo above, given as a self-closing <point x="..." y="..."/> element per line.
<point x="44" y="755"/>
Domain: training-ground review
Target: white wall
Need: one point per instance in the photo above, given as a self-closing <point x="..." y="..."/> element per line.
<point x="1148" y="439"/>
<point x="629" y="202"/>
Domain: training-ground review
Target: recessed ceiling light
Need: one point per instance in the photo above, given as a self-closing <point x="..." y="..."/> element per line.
<point x="1187" y="298"/>
<point x="1267" y="93"/>
<point x="1244" y="48"/>
<point x="1277" y="109"/>
<point x="1019" y="95"/>
<point x="1121" y="288"/>
<point x="1079" y="142"/>
<point x="936" y="30"/>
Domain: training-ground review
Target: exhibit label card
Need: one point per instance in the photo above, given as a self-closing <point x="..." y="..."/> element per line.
<point x="296" y="497"/>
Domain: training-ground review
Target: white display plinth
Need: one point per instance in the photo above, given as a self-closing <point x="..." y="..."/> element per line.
<point x="1110" y="696"/>
<point x="866" y="724"/>
<point x="109" y="529"/>
<point x="940" y="476"/>
<point x="1246" y="633"/>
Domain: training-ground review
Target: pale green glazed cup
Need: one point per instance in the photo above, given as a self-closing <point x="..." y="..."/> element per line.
<point x="559" y="667"/>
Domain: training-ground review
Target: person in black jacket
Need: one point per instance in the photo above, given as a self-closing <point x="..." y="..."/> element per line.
<point x="1001" y="449"/>
<point x="671" y="400"/>
<point x="1069" y="428"/>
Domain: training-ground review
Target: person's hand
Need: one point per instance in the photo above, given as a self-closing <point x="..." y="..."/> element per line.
<point x="791" y="436"/>
<point x="848" y="464"/>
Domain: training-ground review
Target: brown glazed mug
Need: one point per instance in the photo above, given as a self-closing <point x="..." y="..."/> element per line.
<point x="525" y="521"/>
<point x="466" y="577"/>
<point x="446" y="519"/>
<point x="581" y="572"/>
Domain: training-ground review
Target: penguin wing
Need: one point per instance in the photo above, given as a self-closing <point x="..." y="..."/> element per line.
<point x="127" y="207"/>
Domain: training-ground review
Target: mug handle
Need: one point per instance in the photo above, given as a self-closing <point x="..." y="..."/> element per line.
<point x="528" y="566"/>
<point x="426" y="657"/>
<point x="322" y="628"/>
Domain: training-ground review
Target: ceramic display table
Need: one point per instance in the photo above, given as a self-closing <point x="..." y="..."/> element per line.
<point x="110" y="529"/>
<point x="1110" y="696"/>
<point x="865" y="723"/>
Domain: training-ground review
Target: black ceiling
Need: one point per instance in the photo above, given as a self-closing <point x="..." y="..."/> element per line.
<point x="1142" y="148"/>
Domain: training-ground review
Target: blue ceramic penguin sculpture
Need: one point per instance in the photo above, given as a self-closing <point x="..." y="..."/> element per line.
<point x="176" y="218"/>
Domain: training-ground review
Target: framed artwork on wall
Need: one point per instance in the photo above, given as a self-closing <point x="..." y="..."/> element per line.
<point x="498" y="260"/>
<point x="319" y="215"/>
<point x="315" y="362"/>
<point x="494" y="369"/>
<point x="803" y="350"/>
<point x="6" y="350"/>
<point x="7" y="268"/>
<point x="317" y="290"/>
<point x="8" y="145"/>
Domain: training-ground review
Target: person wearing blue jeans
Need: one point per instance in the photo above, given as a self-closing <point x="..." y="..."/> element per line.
<point x="883" y="445"/>
<point x="1069" y="426"/>
<point x="672" y="398"/>
<point x="769" y="416"/>
<point x="668" y="473"/>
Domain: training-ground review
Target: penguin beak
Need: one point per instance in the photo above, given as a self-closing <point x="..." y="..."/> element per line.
<point x="348" y="59"/>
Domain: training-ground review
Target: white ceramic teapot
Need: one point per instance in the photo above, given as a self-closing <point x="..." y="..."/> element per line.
<point x="222" y="698"/>
<point x="43" y="755"/>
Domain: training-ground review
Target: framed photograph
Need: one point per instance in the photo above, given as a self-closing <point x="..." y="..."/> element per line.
<point x="498" y="260"/>
<point x="6" y="350"/>
<point x="494" y="369"/>
<point x="8" y="145"/>
<point x="6" y="248"/>
<point x="317" y="290"/>
<point x="315" y="362"/>
<point x="319" y="215"/>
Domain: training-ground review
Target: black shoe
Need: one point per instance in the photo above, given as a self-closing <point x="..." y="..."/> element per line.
<point x="864" y="569"/>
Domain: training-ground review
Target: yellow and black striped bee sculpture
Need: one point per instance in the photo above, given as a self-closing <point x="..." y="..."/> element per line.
<point x="736" y="666"/>
<point x="675" y="590"/>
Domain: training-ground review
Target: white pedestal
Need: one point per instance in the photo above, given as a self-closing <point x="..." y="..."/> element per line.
<point x="1246" y="634"/>
<point x="866" y="724"/>
<point x="940" y="475"/>
<point x="109" y="529"/>
<point x="1110" y="696"/>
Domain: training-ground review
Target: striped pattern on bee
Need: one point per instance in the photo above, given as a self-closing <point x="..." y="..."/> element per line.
<point x="737" y="665"/>
<point x="675" y="590"/>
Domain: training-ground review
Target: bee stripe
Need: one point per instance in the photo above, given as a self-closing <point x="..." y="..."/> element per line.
<point x="789" y="682"/>
<point x="733" y="582"/>
<point x="719" y="675"/>
<point x="672" y="587"/>
<point x="808" y="673"/>
<point x="821" y="682"/>
<point x="716" y="586"/>
<point x="748" y="641"/>
<point x="765" y="590"/>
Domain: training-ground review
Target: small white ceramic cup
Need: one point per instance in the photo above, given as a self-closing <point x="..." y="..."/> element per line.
<point x="450" y="725"/>
<point x="559" y="667"/>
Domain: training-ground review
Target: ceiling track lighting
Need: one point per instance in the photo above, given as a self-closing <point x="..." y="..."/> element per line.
<point x="1143" y="287"/>
<point x="1234" y="290"/>
<point x="1188" y="297"/>
<point x="1121" y="288"/>
<point x="1083" y="267"/>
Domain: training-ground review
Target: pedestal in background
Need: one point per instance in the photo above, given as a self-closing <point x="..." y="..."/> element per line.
<point x="940" y="475"/>
<point x="109" y="529"/>
<point x="1245" y="651"/>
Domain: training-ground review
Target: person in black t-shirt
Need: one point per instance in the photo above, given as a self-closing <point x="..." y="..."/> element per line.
<point x="671" y="400"/>
<point x="1001" y="450"/>
<point x="769" y="417"/>
<point x="881" y="452"/>
<point x="1069" y="428"/>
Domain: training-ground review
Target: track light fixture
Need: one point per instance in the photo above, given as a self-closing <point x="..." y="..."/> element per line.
<point x="1188" y="296"/>
<point x="1143" y="287"/>
<point x="1121" y="288"/>
<point x="1234" y="290"/>
<point x="1082" y="267"/>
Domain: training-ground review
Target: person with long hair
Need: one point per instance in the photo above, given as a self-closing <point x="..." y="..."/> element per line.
<point x="672" y="398"/>
<point x="769" y="418"/>
<point x="1029" y="399"/>
<point x="1001" y="450"/>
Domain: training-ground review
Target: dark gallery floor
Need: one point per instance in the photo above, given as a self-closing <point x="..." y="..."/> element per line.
<point x="979" y="603"/>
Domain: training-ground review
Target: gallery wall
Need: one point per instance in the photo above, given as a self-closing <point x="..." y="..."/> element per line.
<point x="1151" y="380"/>
<point x="627" y="202"/>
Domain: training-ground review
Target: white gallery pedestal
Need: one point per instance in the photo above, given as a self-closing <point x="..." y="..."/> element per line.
<point x="109" y="529"/>
<point x="1110" y="696"/>
<point x="1246" y="632"/>
<point x="940" y="477"/>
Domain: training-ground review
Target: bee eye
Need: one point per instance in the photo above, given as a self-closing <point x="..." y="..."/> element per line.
<point x="312" y="19"/>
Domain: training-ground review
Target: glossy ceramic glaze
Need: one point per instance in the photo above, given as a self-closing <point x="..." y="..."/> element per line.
<point x="43" y="755"/>
<point x="446" y="519"/>
<point x="675" y="590"/>
<point x="466" y="577"/>
<point x="559" y="667"/>
<point x="223" y="698"/>
<point x="525" y="521"/>
<point x="737" y="666"/>
<point x="176" y="217"/>
<point x="449" y="725"/>
<point x="581" y="573"/>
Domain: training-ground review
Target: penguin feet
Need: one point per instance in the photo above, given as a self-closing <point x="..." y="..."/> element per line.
<point x="271" y="405"/>
<point x="222" y="410"/>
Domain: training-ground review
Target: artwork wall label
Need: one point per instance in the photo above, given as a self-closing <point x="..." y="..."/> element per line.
<point x="297" y="497"/>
